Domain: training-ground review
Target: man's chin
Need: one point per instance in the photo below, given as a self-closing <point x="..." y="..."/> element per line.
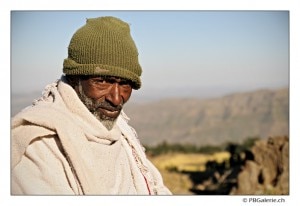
<point x="108" y="122"/>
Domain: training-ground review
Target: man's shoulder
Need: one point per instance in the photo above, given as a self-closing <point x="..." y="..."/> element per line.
<point x="41" y="115"/>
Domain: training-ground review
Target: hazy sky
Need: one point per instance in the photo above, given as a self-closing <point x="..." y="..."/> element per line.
<point x="180" y="51"/>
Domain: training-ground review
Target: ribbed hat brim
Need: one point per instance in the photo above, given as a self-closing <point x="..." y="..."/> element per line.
<point x="73" y="68"/>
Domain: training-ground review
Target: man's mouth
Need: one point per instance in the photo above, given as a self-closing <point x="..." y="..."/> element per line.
<point x="109" y="112"/>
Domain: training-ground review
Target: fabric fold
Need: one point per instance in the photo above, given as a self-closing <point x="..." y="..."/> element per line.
<point x="101" y="161"/>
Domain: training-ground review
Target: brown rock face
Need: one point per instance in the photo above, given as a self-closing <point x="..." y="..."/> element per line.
<point x="268" y="172"/>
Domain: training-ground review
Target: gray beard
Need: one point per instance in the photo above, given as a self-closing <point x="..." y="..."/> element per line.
<point x="89" y="103"/>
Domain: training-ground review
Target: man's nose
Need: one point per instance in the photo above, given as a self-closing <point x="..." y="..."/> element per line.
<point x="114" y="95"/>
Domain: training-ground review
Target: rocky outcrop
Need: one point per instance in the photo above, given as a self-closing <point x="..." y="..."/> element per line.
<point x="268" y="171"/>
<point x="261" y="170"/>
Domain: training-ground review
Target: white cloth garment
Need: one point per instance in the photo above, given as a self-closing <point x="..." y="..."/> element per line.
<point x="60" y="148"/>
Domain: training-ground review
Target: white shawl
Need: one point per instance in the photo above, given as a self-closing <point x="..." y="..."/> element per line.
<point x="59" y="148"/>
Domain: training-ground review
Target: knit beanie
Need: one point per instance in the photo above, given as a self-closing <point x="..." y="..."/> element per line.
<point x="104" y="46"/>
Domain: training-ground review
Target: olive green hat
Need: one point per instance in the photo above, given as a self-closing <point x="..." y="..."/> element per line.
<point x="104" y="46"/>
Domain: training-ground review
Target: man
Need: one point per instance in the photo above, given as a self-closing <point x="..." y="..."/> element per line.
<point x="75" y="139"/>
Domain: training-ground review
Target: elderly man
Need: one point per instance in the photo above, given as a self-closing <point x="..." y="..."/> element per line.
<point x="75" y="139"/>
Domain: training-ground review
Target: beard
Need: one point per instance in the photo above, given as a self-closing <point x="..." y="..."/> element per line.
<point x="94" y="106"/>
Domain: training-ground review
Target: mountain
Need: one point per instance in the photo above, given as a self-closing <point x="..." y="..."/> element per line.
<point x="22" y="100"/>
<point x="214" y="121"/>
<point x="231" y="118"/>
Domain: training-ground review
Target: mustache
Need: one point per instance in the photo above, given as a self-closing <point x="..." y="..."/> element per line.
<point x="108" y="106"/>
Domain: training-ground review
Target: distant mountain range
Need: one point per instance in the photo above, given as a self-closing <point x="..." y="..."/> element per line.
<point x="231" y="118"/>
<point x="214" y="121"/>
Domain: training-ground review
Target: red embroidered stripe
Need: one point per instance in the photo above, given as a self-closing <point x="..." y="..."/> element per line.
<point x="147" y="185"/>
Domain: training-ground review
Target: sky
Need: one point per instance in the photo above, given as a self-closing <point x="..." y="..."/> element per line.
<point x="182" y="53"/>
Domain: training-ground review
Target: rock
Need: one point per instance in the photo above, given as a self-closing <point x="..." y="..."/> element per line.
<point x="268" y="172"/>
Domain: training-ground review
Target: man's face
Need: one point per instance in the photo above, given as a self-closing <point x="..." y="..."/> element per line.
<point x="104" y="96"/>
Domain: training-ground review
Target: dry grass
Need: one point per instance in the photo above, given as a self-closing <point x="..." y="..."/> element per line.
<point x="179" y="183"/>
